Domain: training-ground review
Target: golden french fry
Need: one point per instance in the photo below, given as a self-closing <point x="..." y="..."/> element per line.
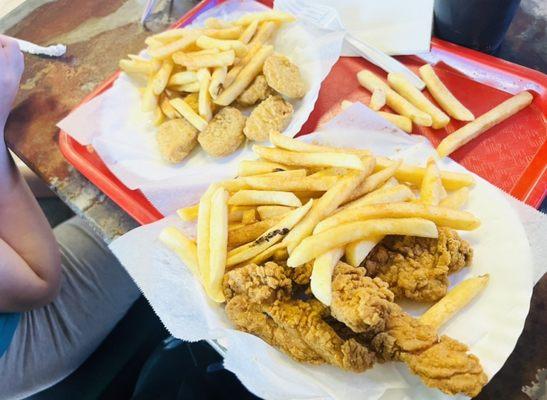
<point x="395" y="101"/>
<point x="159" y="117"/>
<point x="356" y="252"/>
<point x="192" y="87"/>
<point x="324" y="206"/>
<point x="390" y="183"/>
<point x="342" y="160"/>
<point x="192" y="101"/>
<point x="247" y="233"/>
<point x="456" y="199"/>
<point x="374" y="181"/>
<point x="396" y="194"/>
<point x="432" y="190"/>
<point x="274" y="15"/>
<point x="266" y="181"/>
<point x="235" y="213"/>
<point x="443" y="96"/>
<point x="170" y="34"/>
<point x="270" y="252"/>
<point x="266" y="212"/>
<point x="287" y="143"/>
<point x="249" y="32"/>
<point x="249" y="216"/>
<point x="257" y="167"/>
<point x="414" y="174"/>
<point x="313" y="246"/>
<point x="204" y="234"/>
<point x="321" y="276"/>
<point x="187" y="112"/>
<point x="268" y="238"/>
<point x="149" y="100"/>
<point x="206" y="42"/>
<point x="197" y="61"/>
<point x="400" y="121"/>
<point x="448" y="217"/>
<point x="217" y="79"/>
<point x="282" y="183"/>
<point x="167" y="108"/>
<point x="188" y="213"/>
<point x="182" y="78"/>
<point x="456" y="299"/>
<point x="153" y="43"/>
<point x="204" y="98"/>
<point x="159" y="81"/>
<point x="405" y="88"/>
<point x="143" y="67"/>
<point x="232" y="32"/>
<point x="263" y="34"/>
<point x="183" y="247"/>
<point x="188" y="39"/>
<point x="263" y="197"/>
<point x="247" y="74"/>
<point x="218" y="243"/>
<point x="216" y="23"/>
<point x="487" y="120"/>
<point x="378" y="99"/>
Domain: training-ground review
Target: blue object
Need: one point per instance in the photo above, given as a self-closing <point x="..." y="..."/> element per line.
<point x="8" y="324"/>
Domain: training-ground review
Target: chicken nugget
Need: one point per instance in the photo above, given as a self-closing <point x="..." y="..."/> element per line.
<point x="176" y="139"/>
<point x="273" y="114"/>
<point x="284" y="77"/>
<point x="257" y="91"/>
<point x="224" y="133"/>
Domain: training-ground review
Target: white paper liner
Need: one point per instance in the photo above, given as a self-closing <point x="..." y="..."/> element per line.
<point x="490" y="325"/>
<point x="124" y="137"/>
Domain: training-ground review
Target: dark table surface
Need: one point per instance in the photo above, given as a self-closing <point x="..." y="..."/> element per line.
<point x="100" y="32"/>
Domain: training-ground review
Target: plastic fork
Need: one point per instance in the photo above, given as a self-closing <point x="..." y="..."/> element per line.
<point x="328" y="18"/>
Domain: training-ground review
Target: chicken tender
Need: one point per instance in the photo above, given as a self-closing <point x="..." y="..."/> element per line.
<point x="284" y="77"/>
<point x="257" y="91"/>
<point x="176" y="139"/>
<point x="224" y="133"/>
<point x="273" y="114"/>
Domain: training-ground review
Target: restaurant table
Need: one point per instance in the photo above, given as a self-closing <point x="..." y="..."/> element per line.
<point x="100" y="32"/>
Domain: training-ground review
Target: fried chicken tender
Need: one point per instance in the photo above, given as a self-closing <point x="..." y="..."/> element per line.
<point x="257" y="91"/>
<point x="284" y="77"/>
<point x="360" y="302"/>
<point x="224" y="133"/>
<point x="176" y="138"/>
<point x="442" y="363"/>
<point x="417" y="268"/>
<point x="273" y="114"/>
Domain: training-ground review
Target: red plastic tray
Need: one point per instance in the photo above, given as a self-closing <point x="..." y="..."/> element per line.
<point x="512" y="155"/>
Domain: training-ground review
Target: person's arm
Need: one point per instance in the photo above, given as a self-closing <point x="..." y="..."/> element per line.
<point x="30" y="266"/>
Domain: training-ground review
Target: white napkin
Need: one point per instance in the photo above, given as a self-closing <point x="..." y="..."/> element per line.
<point x="509" y="246"/>
<point x="394" y="26"/>
<point x="124" y="137"/>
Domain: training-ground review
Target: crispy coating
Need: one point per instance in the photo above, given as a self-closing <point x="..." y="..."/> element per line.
<point x="273" y="114"/>
<point x="284" y="77"/>
<point x="417" y="268"/>
<point x="257" y="91"/>
<point x="176" y="139"/>
<point x="224" y="133"/>
<point x="360" y="302"/>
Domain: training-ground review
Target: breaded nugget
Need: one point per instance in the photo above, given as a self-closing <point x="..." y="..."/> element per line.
<point x="224" y="134"/>
<point x="257" y="91"/>
<point x="273" y="114"/>
<point x="176" y="139"/>
<point x="284" y="77"/>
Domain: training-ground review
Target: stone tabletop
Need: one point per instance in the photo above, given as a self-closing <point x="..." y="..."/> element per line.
<point x="100" y="32"/>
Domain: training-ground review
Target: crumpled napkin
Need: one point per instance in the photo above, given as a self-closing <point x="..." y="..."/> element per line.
<point x="509" y="246"/>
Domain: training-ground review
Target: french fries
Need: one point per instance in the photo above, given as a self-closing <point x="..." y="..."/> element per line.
<point x="447" y="217"/>
<point x="188" y="213"/>
<point x="432" y="190"/>
<point x="248" y="216"/>
<point x="266" y="212"/>
<point x="182" y="78"/>
<point x="204" y="97"/>
<point x="246" y="233"/>
<point x="260" y="197"/>
<point x="454" y="301"/>
<point x="456" y="199"/>
<point x="217" y="79"/>
<point x="196" y="61"/>
<point x="394" y="100"/>
<point x="321" y="275"/>
<point x="315" y="245"/>
<point x="378" y="99"/>
<point x="400" y="121"/>
<point x="309" y="183"/>
<point x="375" y="180"/>
<point x="184" y="247"/>
<point x="284" y="142"/>
<point x="356" y="252"/>
<point x="341" y="160"/>
<point x="274" y="15"/>
<point x="160" y="80"/>
<point x="204" y="235"/>
<point x="187" y="112"/>
<point x="443" y="96"/>
<point x="395" y="194"/>
<point x="487" y="120"/>
<point x="218" y="243"/>
<point x="206" y="42"/>
<point x="406" y="89"/>
<point x="249" y="32"/>
<point x="248" y="168"/>
<point x="163" y="52"/>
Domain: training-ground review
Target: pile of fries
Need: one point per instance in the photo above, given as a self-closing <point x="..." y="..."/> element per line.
<point x="305" y="203"/>
<point x="412" y="106"/>
<point x="192" y="73"/>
